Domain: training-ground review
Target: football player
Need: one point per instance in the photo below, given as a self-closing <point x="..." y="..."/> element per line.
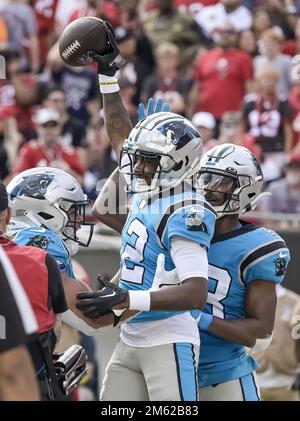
<point x="156" y="356"/>
<point x="246" y="262"/>
<point x="48" y="211"/>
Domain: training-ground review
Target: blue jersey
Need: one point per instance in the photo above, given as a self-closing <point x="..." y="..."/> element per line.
<point x="235" y="259"/>
<point x="47" y="240"/>
<point x="148" y="232"/>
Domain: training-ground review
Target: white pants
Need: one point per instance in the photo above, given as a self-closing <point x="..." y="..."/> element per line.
<point x="159" y="373"/>
<point x="243" y="389"/>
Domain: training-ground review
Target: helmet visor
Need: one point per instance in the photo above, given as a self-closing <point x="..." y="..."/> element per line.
<point x="142" y="170"/>
<point x="217" y="188"/>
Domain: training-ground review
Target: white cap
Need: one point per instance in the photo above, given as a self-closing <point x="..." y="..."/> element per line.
<point x="203" y="119"/>
<point x="44" y="115"/>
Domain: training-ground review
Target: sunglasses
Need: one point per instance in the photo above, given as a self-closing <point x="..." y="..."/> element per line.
<point x="50" y="124"/>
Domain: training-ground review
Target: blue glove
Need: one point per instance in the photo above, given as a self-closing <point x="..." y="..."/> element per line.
<point x="205" y="321"/>
<point x="152" y="109"/>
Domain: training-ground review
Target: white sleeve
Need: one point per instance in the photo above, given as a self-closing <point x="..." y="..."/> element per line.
<point x="74" y="321"/>
<point x="189" y="258"/>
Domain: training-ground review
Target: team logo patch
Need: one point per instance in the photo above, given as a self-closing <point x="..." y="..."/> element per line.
<point x="194" y="221"/>
<point x="39" y="241"/>
<point x="280" y="266"/>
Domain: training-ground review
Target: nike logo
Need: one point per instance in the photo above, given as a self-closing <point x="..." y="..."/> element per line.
<point x="109" y="295"/>
<point x="283" y="254"/>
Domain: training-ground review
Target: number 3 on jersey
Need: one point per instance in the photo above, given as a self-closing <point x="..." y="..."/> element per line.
<point x="222" y="280"/>
<point x="133" y="272"/>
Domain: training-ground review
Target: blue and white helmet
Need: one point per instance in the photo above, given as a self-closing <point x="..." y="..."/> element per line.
<point x="44" y="197"/>
<point x="231" y="179"/>
<point x="173" y="140"/>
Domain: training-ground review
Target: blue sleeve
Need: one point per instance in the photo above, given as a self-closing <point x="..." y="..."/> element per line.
<point x="47" y="240"/>
<point x="269" y="267"/>
<point x="193" y="222"/>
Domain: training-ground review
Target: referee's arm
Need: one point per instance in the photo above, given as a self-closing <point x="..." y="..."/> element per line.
<point x="17" y="322"/>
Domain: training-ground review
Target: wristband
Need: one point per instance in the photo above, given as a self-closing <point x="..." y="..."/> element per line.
<point x="139" y="300"/>
<point x="205" y="321"/>
<point x="108" y="84"/>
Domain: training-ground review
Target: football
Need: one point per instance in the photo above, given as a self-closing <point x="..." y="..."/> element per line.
<point x="80" y="36"/>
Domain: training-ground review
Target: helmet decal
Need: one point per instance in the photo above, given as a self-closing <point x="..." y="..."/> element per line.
<point x="33" y="186"/>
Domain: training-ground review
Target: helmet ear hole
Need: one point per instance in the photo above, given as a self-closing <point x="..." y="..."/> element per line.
<point x="45" y="215"/>
<point x="178" y="166"/>
<point x="250" y="195"/>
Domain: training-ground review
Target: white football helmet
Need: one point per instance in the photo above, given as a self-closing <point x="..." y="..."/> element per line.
<point x="47" y="197"/>
<point x="174" y="145"/>
<point x="231" y="179"/>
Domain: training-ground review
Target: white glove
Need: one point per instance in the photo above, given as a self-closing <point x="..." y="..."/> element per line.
<point x="164" y="278"/>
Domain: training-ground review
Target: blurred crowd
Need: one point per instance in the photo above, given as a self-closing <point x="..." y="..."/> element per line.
<point x="231" y="66"/>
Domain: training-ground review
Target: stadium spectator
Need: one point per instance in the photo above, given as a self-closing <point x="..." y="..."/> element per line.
<point x="285" y="192"/>
<point x="19" y="91"/>
<point x="270" y="44"/>
<point x="291" y="47"/>
<point x="268" y="119"/>
<point x="224" y="73"/>
<point x="22" y="32"/>
<point x="206" y="124"/>
<point x="10" y="140"/>
<point x="167" y="82"/>
<point x="80" y="85"/>
<point x="130" y="20"/>
<point x="72" y="134"/>
<point x="46" y="26"/>
<point x="247" y="42"/>
<point x="231" y="131"/>
<point x="294" y="100"/>
<point x="233" y="11"/>
<point x="46" y="149"/>
<point x="127" y="93"/>
<point x="134" y="65"/>
<point x="262" y="20"/>
<point x="102" y="160"/>
<point x="167" y="24"/>
<point x="278" y="363"/>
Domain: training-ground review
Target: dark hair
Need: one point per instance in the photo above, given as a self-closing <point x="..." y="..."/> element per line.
<point x="53" y="88"/>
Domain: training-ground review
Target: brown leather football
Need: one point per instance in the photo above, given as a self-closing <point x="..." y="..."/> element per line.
<point x="80" y="36"/>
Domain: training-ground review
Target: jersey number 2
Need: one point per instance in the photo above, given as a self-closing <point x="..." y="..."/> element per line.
<point x="133" y="272"/>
